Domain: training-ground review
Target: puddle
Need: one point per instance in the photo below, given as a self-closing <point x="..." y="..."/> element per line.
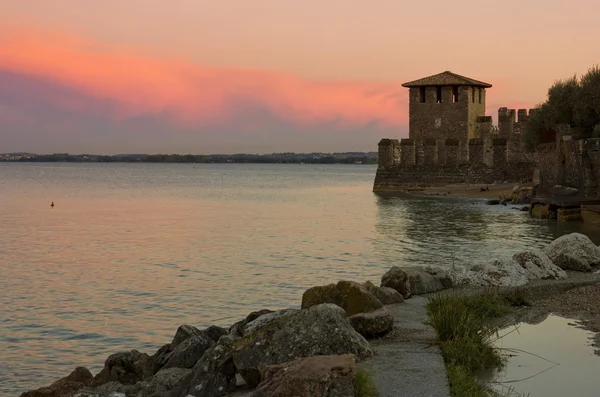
<point x="551" y="358"/>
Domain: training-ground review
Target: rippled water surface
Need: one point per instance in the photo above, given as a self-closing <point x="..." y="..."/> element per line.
<point x="131" y="251"/>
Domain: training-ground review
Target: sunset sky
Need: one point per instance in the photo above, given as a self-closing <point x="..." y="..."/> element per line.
<point x="259" y="76"/>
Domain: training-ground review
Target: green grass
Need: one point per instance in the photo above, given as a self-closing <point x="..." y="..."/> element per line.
<point x="363" y="385"/>
<point x="465" y="328"/>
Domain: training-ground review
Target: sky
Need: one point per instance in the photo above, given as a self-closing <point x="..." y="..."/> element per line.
<point x="262" y="76"/>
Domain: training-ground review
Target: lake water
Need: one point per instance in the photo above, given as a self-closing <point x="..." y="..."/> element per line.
<point x="551" y="358"/>
<point x="132" y="251"/>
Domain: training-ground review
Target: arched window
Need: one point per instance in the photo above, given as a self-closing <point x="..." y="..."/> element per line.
<point x="473" y="94"/>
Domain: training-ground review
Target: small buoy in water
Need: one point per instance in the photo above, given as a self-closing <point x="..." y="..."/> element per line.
<point x="52" y="205"/>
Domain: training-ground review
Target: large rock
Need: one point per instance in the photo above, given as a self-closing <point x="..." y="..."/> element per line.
<point x="323" y="376"/>
<point x="538" y="266"/>
<point x="237" y="329"/>
<point x="65" y="387"/>
<point x="397" y="279"/>
<point x="374" y="324"/>
<point x="571" y="262"/>
<point x="214" y="332"/>
<point x="577" y="246"/>
<point x="319" y="330"/>
<point x="126" y="368"/>
<point x="183" y="333"/>
<point x="350" y="296"/>
<point x="188" y="352"/>
<point x="213" y="375"/>
<point x="502" y="273"/>
<point x="385" y="295"/>
<point x="157" y="386"/>
<point x="427" y="280"/>
<point x="265" y="319"/>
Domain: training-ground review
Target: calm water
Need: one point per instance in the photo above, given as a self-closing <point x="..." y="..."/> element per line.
<point x="131" y="251"/>
<point x="554" y="358"/>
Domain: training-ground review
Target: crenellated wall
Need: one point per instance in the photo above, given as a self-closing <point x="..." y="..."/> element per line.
<point x="437" y="153"/>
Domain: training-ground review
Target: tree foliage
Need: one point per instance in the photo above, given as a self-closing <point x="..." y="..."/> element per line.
<point x="572" y="101"/>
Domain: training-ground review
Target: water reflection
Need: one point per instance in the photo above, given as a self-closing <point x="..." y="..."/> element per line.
<point x="440" y="231"/>
<point x="550" y="358"/>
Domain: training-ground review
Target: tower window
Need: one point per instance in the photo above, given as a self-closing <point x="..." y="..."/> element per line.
<point x="455" y="94"/>
<point x="473" y="94"/>
<point x="480" y="95"/>
<point x="438" y="94"/>
<point x="422" y="97"/>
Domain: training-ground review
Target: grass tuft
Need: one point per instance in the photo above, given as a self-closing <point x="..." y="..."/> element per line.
<point x="464" y="328"/>
<point x="363" y="384"/>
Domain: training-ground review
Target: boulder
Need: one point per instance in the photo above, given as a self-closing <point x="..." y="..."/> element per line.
<point x="126" y="368"/>
<point x="501" y="273"/>
<point x="237" y="328"/>
<point x="65" y="387"/>
<point x="571" y="262"/>
<point x="374" y="324"/>
<point x="351" y="296"/>
<point x="157" y="386"/>
<point x="319" y="330"/>
<point x="577" y="246"/>
<point x="397" y="279"/>
<point x="213" y="375"/>
<point x="323" y="376"/>
<point x="111" y="389"/>
<point x="214" y="332"/>
<point x="538" y="266"/>
<point x="188" y="352"/>
<point x="183" y="333"/>
<point x="426" y="280"/>
<point x="264" y="320"/>
<point x="385" y="295"/>
<point x="159" y="358"/>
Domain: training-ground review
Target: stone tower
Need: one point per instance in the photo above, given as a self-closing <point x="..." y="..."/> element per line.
<point x="444" y="108"/>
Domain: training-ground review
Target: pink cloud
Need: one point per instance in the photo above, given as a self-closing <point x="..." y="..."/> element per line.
<point x="191" y="94"/>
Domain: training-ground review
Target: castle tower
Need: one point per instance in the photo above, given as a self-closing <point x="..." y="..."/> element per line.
<point x="445" y="107"/>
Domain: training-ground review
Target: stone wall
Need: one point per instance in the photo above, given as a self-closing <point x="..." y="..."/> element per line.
<point x="568" y="162"/>
<point x="446" y="119"/>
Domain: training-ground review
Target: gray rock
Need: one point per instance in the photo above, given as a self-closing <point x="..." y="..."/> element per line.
<point x="214" y="332"/>
<point x="385" y="295"/>
<point x="159" y="358"/>
<point x="322" y="376"/>
<point x="350" y="296"/>
<point x="571" y="262"/>
<point x="499" y="273"/>
<point x="238" y="328"/>
<point x="319" y="330"/>
<point x="374" y="324"/>
<point x="427" y="280"/>
<point x="577" y="246"/>
<point x="183" y="333"/>
<point x="126" y="368"/>
<point x="538" y="266"/>
<point x="162" y="382"/>
<point x="397" y="279"/>
<point x="110" y="389"/>
<point x="188" y="352"/>
<point x="213" y="375"/>
<point x="264" y="320"/>
<point x="78" y="379"/>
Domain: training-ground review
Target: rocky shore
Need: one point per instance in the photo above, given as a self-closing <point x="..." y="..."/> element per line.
<point x="315" y="350"/>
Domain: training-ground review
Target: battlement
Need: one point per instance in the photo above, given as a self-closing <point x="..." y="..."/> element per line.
<point x="451" y="137"/>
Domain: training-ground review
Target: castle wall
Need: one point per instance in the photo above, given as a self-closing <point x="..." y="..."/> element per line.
<point x="476" y="109"/>
<point x="433" y="120"/>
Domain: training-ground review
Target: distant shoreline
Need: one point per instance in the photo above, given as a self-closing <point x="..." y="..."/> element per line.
<point x="275" y="158"/>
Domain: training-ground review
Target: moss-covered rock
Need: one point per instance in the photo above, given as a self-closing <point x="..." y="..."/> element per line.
<point x="319" y="330"/>
<point x="349" y="295"/>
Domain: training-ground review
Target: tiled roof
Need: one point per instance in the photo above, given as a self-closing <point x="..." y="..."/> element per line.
<point x="446" y="78"/>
